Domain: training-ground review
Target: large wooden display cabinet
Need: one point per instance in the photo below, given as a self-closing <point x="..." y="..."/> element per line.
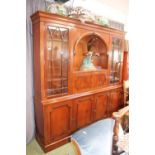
<point x="67" y="96"/>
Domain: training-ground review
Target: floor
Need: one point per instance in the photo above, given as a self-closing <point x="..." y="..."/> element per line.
<point x="33" y="148"/>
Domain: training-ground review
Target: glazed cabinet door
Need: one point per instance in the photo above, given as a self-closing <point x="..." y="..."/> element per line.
<point x="83" y="111"/>
<point x="115" y="100"/>
<point x="56" y="58"/>
<point x="116" y="59"/>
<point x="101" y="104"/>
<point x="59" y="120"/>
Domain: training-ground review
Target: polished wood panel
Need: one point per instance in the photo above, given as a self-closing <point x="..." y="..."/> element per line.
<point x="101" y="104"/>
<point x="60" y="124"/>
<point x="116" y="100"/>
<point x="86" y="81"/>
<point x="84" y="111"/>
<point x="39" y="119"/>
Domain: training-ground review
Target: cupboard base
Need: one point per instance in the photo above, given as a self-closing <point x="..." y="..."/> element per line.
<point x="54" y="145"/>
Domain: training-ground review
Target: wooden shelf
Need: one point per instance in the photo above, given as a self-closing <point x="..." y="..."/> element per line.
<point x="58" y="40"/>
<point x="95" y="71"/>
<point x="57" y="79"/>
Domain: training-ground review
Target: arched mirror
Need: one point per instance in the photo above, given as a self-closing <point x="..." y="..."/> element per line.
<point x="90" y="54"/>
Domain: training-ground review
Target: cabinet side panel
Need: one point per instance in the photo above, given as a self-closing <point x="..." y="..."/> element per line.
<point x="36" y="57"/>
<point x="37" y="83"/>
<point x="39" y="120"/>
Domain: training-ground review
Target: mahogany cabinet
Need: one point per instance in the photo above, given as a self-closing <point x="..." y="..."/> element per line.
<point x="77" y="75"/>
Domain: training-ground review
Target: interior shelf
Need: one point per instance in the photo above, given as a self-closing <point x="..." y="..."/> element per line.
<point x="57" y="79"/>
<point x="58" y="40"/>
<point x="98" y="71"/>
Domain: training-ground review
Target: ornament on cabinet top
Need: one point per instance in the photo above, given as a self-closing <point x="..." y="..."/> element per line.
<point x="57" y="8"/>
<point x="82" y="14"/>
<point x="101" y="21"/>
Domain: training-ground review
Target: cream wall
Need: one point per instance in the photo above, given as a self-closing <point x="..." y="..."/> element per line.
<point x="116" y="10"/>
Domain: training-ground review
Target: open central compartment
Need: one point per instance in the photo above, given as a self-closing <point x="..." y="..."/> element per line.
<point x="90" y="63"/>
<point x="90" y="54"/>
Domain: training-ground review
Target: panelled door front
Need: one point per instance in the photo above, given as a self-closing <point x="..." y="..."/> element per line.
<point x="101" y="104"/>
<point x="84" y="111"/>
<point x="59" y="120"/>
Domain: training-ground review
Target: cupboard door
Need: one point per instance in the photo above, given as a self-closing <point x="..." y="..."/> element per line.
<point x="101" y="103"/>
<point x="115" y="100"/>
<point x="84" y="111"/>
<point x="60" y="120"/>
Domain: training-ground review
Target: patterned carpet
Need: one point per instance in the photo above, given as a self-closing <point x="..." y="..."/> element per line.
<point x="33" y="148"/>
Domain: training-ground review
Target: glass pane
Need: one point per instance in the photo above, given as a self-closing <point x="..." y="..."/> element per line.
<point x="115" y="61"/>
<point x="57" y="60"/>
